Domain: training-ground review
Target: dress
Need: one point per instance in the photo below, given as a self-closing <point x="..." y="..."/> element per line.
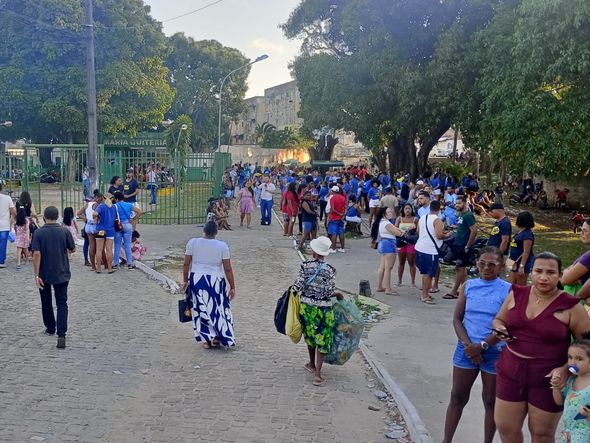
<point x="246" y="201"/>
<point x="212" y="317"/>
<point x="22" y="237"/>
<point x="575" y="431"/>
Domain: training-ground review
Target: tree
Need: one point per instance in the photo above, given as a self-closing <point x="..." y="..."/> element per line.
<point x="287" y="138"/>
<point x="196" y="69"/>
<point x="42" y="68"/>
<point x="373" y="67"/>
<point x="262" y="130"/>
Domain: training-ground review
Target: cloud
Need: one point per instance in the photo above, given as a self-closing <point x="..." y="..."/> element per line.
<point x="267" y="46"/>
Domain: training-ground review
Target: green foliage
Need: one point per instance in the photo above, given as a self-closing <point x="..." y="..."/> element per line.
<point x="453" y="168"/>
<point x="42" y="68"/>
<point x="196" y="69"/>
<point x="178" y="138"/>
<point x="286" y="138"/>
<point x="263" y="129"/>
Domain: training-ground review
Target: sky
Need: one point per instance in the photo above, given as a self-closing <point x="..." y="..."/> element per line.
<point x="248" y="25"/>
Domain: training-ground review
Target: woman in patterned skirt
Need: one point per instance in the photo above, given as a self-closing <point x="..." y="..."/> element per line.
<point x="316" y="285"/>
<point x="212" y="287"/>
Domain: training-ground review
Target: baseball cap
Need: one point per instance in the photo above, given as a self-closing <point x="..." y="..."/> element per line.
<point x="335" y="189"/>
<point x="419" y="182"/>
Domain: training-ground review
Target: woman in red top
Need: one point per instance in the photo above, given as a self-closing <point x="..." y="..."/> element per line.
<point x="290" y="207"/>
<point x="537" y="322"/>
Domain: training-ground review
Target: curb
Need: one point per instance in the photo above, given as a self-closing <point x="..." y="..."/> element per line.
<point x="416" y="427"/>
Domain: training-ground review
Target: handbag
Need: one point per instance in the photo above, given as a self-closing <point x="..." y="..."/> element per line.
<point x="293" y="328"/>
<point x="118" y="224"/>
<point x="185" y="308"/>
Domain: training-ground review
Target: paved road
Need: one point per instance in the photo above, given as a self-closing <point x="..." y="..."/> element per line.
<point x="132" y="373"/>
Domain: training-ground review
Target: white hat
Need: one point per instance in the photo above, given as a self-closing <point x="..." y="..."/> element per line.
<point x="419" y="182"/>
<point x="321" y="246"/>
<point x="437" y="192"/>
<point x="335" y="189"/>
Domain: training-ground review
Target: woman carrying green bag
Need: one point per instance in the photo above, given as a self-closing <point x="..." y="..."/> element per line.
<point x="316" y="313"/>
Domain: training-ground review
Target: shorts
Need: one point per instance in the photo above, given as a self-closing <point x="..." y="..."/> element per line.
<point x="90" y="228"/>
<point x="523" y="380"/>
<point x="387" y="246"/>
<point x="408" y="249"/>
<point x="427" y="263"/>
<point x="102" y="234"/>
<point x="309" y="226"/>
<point x="490" y="357"/>
<point x="335" y="227"/>
<point x="528" y="267"/>
<point x="135" y="204"/>
<point x="462" y="258"/>
<point x="374" y="203"/>
<point x="317" y="323"/>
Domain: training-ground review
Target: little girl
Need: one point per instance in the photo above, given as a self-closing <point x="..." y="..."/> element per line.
<point x="23" y="236"/>
<point x="138" y="250"/>
<point x="70" y="223"/>
<point x="576" y="395"/>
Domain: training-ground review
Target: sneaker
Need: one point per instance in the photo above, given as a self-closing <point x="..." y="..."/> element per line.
<point x="2" y="265"/>
<point x="332" y="251"/>
<point x="61" y="343"/>
<point x="131" y="267"/>
<point x="115" y="267"/>
<point x="341" y="250"/>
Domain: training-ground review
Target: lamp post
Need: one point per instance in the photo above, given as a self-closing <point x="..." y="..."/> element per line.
<point x="258" y="59"/>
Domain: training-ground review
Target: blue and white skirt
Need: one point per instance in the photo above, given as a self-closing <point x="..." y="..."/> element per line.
<point x="212" y="316"/>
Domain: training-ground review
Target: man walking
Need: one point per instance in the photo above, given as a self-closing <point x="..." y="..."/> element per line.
<point x="50" y="246"/>
<point x="267" y="190"/>
<point x="7" y="214"/>
<point x="336" y="219"/>
<point x="464" y="239"/>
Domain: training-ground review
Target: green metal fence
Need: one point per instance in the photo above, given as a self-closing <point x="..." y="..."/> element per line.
<point x="53" y="175"/>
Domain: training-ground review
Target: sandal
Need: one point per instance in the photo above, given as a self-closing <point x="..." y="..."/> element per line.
<point x="206" y="345"/>
<point x="319" y="382"/>
<point x="215" y="343"/>
<point x="309" y="368"/>
<point x="434" y="291"/>
<point x="380" y="289"/>
<point x="450" y="296"/>
<point x="391" y="293"/>
<point x="428" y="301"/>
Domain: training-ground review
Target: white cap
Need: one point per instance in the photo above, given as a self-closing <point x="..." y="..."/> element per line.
<point x="419" y="182"/>
<point x="335" y="189"/>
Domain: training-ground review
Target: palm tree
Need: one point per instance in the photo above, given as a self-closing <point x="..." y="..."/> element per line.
<point x="262" y="130"/>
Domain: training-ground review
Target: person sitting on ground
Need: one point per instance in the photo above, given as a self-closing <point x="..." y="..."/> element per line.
<point x="316" y="284"/>
<point x="478" y="349"/>
<point x="353" y="213"/>
<point x="138" y="249"/>
<point x="221" y="216"/>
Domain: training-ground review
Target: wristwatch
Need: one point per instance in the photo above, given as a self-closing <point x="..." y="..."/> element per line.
<point x="484" y="345"/>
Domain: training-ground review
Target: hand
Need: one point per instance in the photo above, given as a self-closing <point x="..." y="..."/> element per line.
<point x="39" y="282"/>
<point x="505" y="334"/>
<point x="185" y="286"/>
<point x="558" y="378"/>
<point x="478" y="360"/>
<point x="585" y="411"/>
<point x="232" y="294"/>
<point x="472" y="350"/>
<point x="338" y="296"/>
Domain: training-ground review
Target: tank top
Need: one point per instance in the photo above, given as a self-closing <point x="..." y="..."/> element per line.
<point x="383" y="232"/>
<point x="483" y="301"/>
<point x="424" y="243"/>
<point x="89" y="212"/>
<point x="407" y="226"/>
<point x="543" y="337"/>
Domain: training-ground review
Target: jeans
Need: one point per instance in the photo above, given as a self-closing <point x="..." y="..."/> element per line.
<point x="85" y="249"/>
<point x="123" y="236"/>
<point x="154" y="192"/>
<point x="3" y="245"/>
<point x="86" y="184"/>
<point x="266" y="211"/>
<point x="61" y="301"/>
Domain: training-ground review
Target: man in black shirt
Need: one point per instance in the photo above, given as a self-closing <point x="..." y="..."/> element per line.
<point x="502" y="230"/>
<point x="50" y="246"/>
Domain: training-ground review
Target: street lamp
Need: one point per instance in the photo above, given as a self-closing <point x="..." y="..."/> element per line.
<point x="258" y="59"/>
<point x="7" y="124"/>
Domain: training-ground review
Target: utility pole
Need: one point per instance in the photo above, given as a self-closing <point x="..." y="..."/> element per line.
<point x="92" y="159"/>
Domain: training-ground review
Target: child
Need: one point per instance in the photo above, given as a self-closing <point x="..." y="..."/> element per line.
<point x="576" y="395"/>
<point x="70" y="223"/>
<point x="138" y="250"/>
<point x="23" y="236"/>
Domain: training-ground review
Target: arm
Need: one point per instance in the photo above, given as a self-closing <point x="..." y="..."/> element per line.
<point x="458" y="316"/>
<point x="557" y="396"/>
<point x="438" y="230"/>
<point x="584" y="292"/>
<point x="138" y="212"/>
<point x="527" y="246"/>
<point x="229" y="273"/>
<point x="391" y="228"/>
<point x="579" y="321"/>
<point x="82" y="212"/>
<point x="472" y="236"/>
<point x="504" y="244"/>
<point x="499" y="322"/>
<point x="398" y="221"/>
<point x="33" y="213"/>
<point x="36" y="267"/>
<point x="188" y="259"/>
<point x="572" y="274"/>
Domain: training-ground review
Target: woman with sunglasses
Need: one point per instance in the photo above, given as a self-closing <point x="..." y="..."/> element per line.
<point x="478" y="349"/>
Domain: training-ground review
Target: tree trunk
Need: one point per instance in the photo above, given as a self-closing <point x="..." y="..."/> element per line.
<point x="427" y="143"/>
<point x="402" y="154"/>
<point x="324" y="148"/>
<point x="380" y="156"/>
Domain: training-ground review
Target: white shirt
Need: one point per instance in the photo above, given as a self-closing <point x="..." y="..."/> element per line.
<point x="6" y="204"/>
<point x="383" y="232"/>
<point x="208" y="256"/>
<point x="425" y="244"/>
<point x="151" y="176"/>
<point x="267" y="190"/>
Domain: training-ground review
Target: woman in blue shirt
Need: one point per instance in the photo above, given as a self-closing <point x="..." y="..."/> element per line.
<point x="478" y="348"/>
<point x="374" y="196"/>
<point x="125" y="213"/>
<point x="105" y="215"/>
<point x="521" y="249"/>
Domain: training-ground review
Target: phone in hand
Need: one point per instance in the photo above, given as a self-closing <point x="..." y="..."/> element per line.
<point x="580" y="416"/>
<point x="502" y="334"/>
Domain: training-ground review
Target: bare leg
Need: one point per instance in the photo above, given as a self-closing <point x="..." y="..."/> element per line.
<point x="109" y="253"/>
<point x="400" y="267"/>
<point x="463" y="380"/>
<point x="542" y="424"/>
<point x="380" y="273"/>
<point x="436" y="278"/>
<point x="99" y="252"/>
<point x="318" y="366"/>
<point x="488" y="395"/>
<point x="412" y="264"/>
<point x="426" y="280"/>
<point x="459" y="279"/>
<point x="248" y="220"/>
<point x="509" y="417"/>
<point x="92" y="250"/>
<point x="311" y="364"/>
<point x="389" y="262"/>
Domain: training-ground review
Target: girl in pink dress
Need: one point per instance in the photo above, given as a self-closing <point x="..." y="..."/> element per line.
<point x="23" y="236"/>
<point x="246" y="203"/>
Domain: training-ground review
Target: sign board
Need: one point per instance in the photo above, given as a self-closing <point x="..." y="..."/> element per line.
<point x="141" y="140"/>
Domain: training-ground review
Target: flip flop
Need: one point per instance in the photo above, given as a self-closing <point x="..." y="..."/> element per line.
<point x="380" y="290"/>
<point x="434" y="291"/>
<point x="391" y="293"/>
<point x="450" y="296"/>
<point x="308" y="369"/>
<point x="318" y="383"/>
<point x="428" y="301"/>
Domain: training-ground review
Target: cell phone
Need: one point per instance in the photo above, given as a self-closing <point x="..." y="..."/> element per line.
<point x="580" y="416"/>
<point x="504" y="334"/>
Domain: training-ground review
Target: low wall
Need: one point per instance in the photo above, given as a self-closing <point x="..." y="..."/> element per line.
<point x="579" y="195"/>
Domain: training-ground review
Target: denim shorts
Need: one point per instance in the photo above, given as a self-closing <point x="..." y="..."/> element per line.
<point x="387" y="246"/>
<point x="427" y="263"/>
<point x="490" y="357"/>
<point x="309" y="226"/>
<point x="335" y="227"/>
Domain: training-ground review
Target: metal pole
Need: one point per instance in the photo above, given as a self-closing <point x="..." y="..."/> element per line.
<point x="91" y="87"/>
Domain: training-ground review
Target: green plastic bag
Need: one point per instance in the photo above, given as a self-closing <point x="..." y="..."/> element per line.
<point x="348" y="329"/>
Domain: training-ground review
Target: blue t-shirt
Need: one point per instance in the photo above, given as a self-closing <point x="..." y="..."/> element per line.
<point x="422" y="211"/>
<point x="324" y="191"/>
<point x="125" y="211"/>
<point x="355" y="185"/>
<point x="129" y="187"/>
<point x="385" y="180"/>
<point x="352" y="211"/>
<point x="367" y="186"/>
<point x="517" y="245"/>
<point x="106" y="219"/>
<point x="483" y="301"/>
<point x="450" y="216"/>
<point x="501" y="228"/>
<point x="435" y="183"/>
<point x="316" y="181"/>
<point x="346" y="188"/>
<point x="374" y="194"/>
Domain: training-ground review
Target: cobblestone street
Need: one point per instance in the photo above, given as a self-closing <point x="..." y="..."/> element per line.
<point x="132" y="373"/>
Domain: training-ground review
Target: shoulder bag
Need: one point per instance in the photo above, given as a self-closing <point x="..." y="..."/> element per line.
<point x="118" y="224"/>
<point x="442" y="251"/>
